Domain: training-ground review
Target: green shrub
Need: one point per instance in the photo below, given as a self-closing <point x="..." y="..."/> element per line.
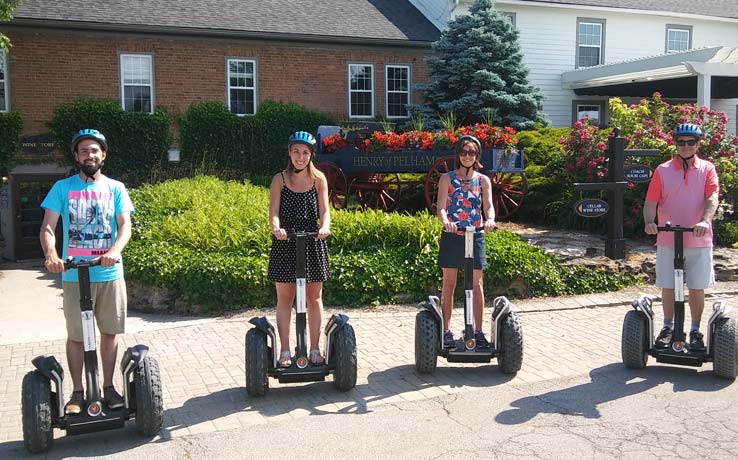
<point x="137" y="142"/>
<point x="541" y="145"/>
<point x="11" y="124"/>
<point x="214" y="139"/>
<point x="726" y="233"/>
<point x="209" y="240"/>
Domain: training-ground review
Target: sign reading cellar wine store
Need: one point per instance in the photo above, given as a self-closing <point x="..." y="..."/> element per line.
<point x="591" y="207"/>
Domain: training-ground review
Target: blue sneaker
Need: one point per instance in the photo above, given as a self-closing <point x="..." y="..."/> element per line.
<point x="482" y="343"/>
<point x="448" y="339"/>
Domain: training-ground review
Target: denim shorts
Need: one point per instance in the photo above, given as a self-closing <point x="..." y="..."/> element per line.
<point x="451" y="251"/>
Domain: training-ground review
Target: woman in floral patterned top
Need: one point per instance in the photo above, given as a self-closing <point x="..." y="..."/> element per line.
<point x="464" y="199"/>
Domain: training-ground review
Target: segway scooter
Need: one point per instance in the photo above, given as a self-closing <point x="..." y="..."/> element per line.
<point x="43" y="407"/>
<point x="261" y="343"/>
<point x="506" y="337"/>
<point x="721" y="339"/>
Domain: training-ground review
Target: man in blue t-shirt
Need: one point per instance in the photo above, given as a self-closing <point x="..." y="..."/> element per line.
<point x="96" y="216"/>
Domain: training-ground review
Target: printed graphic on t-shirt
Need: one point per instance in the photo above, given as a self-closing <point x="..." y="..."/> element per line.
<point x="90" y="217"/>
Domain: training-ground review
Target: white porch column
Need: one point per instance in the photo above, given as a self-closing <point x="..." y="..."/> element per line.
<point x="703" y="89"/>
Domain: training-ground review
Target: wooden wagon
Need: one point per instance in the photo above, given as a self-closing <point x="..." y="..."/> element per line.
<point x="374" y="177"/>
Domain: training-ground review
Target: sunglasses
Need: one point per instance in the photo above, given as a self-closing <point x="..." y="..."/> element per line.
<point x="690" y="143"/>
<point x="468" y="153"/>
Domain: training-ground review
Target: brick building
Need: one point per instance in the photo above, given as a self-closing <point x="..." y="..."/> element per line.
<point x="351" y="59"/>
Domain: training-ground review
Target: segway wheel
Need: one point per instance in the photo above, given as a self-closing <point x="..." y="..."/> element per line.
<point x="38" y="431"/>
<point x="149" y="398"/>
<point x="427" y="342"/>
<point x="344" y="376"/>
<point x="633" y="348"/>
<point x="725" y="360"/>
<point x="257" y="363"/>
<point x="510" y="357"/>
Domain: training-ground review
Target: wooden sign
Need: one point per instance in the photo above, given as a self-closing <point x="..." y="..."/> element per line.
<point x="591" y="207"/>
<point x="638" y="173"/>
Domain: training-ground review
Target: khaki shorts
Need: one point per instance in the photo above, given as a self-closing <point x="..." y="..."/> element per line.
<point x="698" y="270"/>
<point x="109" y="302"/>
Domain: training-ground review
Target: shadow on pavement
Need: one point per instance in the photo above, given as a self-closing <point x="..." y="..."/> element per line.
<point x="399" y="384"/>
<point x="609" y="383"/>
<point x="92" y="445"/>
<point x="35" y="266"/>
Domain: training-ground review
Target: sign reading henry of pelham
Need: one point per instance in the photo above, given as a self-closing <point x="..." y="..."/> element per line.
<point x="591" y="207"/>
<point x="638" y="173"/>
<point x="37" y="144"/>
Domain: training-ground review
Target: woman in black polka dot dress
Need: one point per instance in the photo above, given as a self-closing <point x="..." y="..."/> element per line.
<point x="298" y="201"/>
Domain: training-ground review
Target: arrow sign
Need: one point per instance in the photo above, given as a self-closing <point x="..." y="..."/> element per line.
<point x="591" y="207"/>
<point x="638" y="173"/>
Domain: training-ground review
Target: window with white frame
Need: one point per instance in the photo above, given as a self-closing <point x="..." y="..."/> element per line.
<point x="361" y="90"/>
<point x="510" y="16"/>
<point x="3" y="83"/>
<point x="242" y="86"/>
<point x="590" y="42"/>
<point x="588" y="109"/>
<point x="398" y="90"/>
<point x="678" y="38"/>
<point x="137" y="82"/>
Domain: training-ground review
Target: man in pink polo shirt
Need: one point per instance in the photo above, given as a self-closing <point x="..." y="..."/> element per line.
<point x="683" y="191"/>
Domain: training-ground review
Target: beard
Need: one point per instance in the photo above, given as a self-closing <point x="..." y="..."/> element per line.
<point x="89" y="170"/>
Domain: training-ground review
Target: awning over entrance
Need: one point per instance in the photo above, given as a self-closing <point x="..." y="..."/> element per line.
<point x="702" y="74"/>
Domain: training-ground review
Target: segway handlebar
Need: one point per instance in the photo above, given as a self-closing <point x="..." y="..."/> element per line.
<point x="674" y="228"/>
<point x="462" y="228"/>
<point x="292" y="235"/>
<point x="70" y="263"/>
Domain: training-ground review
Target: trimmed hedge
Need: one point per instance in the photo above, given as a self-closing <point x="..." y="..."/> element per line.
<point x="11" y="124"/>
<point x="137" y="142"/>
<point x="209" y="241"/>
<point x="213" y="137"/>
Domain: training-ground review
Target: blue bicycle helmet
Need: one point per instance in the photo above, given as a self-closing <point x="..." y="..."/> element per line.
<point x="471" y="139"/>
<point x="688" y="129"/>
<point x="93" y="134"/>
<point x="302" y="137"/>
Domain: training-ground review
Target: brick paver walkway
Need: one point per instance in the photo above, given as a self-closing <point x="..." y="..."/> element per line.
<point x="203" y="366"/>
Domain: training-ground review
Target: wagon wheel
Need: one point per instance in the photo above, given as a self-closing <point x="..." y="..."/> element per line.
<point x="439" y="168"/>
<point x="337" y="184"/>
<point x="508" y="192"/>
<point x="377" y="191"/>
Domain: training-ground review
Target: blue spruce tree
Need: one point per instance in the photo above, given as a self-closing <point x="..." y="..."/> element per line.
<point x="478" y="69"/>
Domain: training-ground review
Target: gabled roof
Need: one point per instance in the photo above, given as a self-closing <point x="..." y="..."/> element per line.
<point x="717" y="8"/>
<point x="324" y="20"/>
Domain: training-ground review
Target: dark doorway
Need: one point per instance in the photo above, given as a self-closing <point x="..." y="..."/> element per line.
<point x="28" y="192"/>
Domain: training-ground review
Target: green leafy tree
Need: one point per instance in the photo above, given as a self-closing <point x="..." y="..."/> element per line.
<point x="477" y="70"/>
<point x="6" y="14"/>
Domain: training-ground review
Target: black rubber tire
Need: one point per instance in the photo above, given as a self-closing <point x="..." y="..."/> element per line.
<point x="38" y="431"/>
<point x="344" y="375"/>
<point x="510" y="357"/>
<point x="426" y="342"/>
<point x="633" y="342"/>
<point x="725" y="355"/>
<point x="257" y="363"/>
<point x="149" y="398"/>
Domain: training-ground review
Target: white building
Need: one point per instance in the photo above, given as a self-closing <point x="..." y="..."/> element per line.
<point x="581" y="52"/>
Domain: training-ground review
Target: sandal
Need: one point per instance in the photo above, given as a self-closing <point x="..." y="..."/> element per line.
<point x="315" y="357"/>
<point x="76" y="403"/>
<point x="285" y="359"/>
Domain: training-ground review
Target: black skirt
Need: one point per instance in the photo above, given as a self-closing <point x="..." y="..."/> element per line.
<point x="451" y="251"/>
